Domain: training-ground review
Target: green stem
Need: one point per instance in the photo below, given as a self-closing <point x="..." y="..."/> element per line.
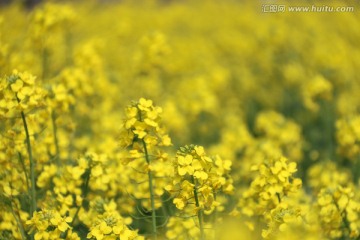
<point x="68" y="40"/>
<point x="86" y="190"/>
<point x="356" y="169"/>
<point x="152" y="195"/>
<point x="200" y="212"/>
<point x="215" y="217"/>
<point x="215" y="210"/>
<point x="25" y="172"/>
<point x="343" y="214"/>
<point x="329" y="129"/>
<point x="32" y="166"/>
<point x="18" y="221"/>
<point x="44" y="62"/>
<point x="56" y="142"/>
<point x="278" y="197"/>
<point x="85" y="193"/>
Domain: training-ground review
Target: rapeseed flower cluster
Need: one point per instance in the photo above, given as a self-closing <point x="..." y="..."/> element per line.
<point x="271" y="195"/>
<point x="198" y="174"/>
<point x="197" y="185"/>
<point x="18" y="93"/>
<point x="143" y="138"/>
<point x="348" y="136"/>
<point x="109" y="224"/>
<point x="339" y="212"/>
<point x="48" y="224"/>
<point x="142" y="123"/>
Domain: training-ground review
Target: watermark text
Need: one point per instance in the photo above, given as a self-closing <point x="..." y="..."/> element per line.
<point x="280" y="8"/>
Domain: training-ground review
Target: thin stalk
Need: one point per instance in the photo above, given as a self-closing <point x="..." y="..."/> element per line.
<point x="215" y="217"/>
<point x="32" y="166"/>
<point x="56" y="142"/>
<point x="329" y="121"/>
<point x="278" y="197"/>
<point x="85" y="193"/>
<point x="357" y="168"/>
<point x="18" y="221"/>
<point x="343" y="214"/>
<point x="200" y="212"/>
<point x="152" y="195"/>
<point x="44" y="62"/>
<point x="68" y="45"/>
<point x="86" y="190"/>
<point x="25" y="172"/>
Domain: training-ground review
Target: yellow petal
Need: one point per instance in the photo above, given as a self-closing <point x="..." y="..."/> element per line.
<point x="201" y="175"/>
<point x="117" y="229"/>
<point x="27" y="91"/>
<point x="199" y="150"/>
<point x="129" y="123"/>
<point x="105" y="228"/>
<point x="182" y="171"/>
<point x="17" y="85"/>
<point x="63" y="226"/>
<point x="97" y="171"/>
<point x="196" y="165"/>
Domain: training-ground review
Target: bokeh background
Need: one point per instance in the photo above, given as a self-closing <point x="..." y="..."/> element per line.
<point x="242" y="83"/>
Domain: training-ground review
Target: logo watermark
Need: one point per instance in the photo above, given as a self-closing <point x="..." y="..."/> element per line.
<point x="281" y="8"/>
